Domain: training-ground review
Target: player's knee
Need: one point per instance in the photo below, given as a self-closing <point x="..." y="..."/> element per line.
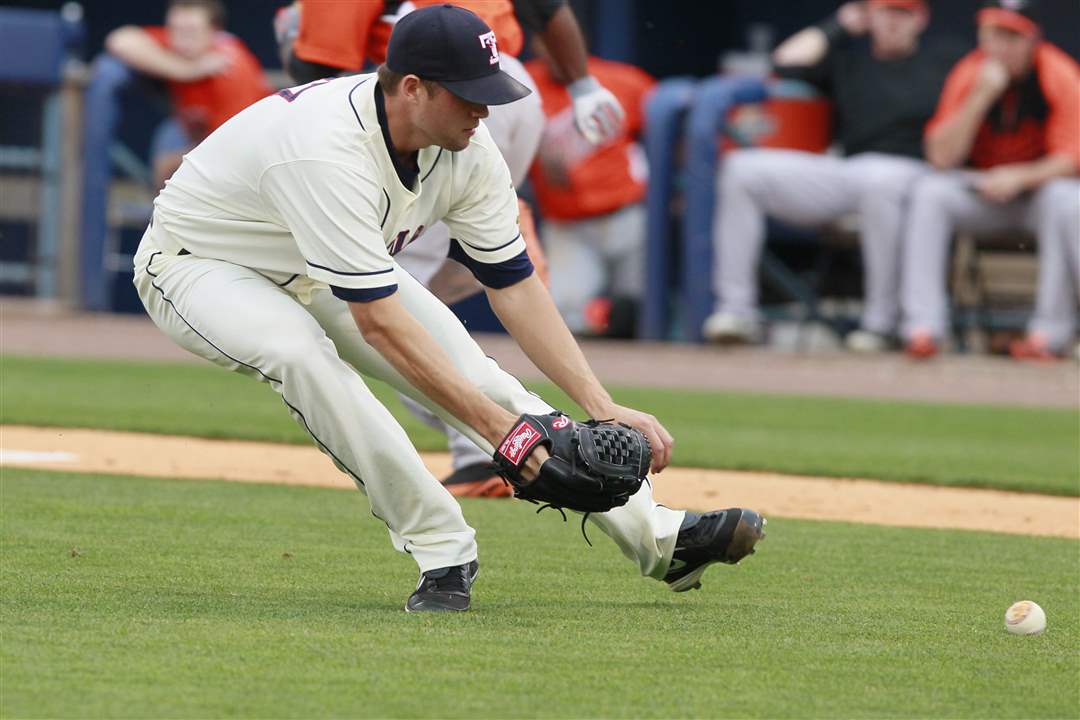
<point x="886" y="180"/>
<point x="933" y="189"/>
<point x="1057" y="197"/>
<point x="741" y="170"/>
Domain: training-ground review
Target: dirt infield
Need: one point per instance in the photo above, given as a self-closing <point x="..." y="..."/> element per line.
<point x="861" y="501"/>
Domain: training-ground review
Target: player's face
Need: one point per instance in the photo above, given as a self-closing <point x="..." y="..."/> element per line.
<point x="1014" y="50"/>
<point x="447" y="120"/>
<point x="895" y="31"/>
<point x="191" y="33"/>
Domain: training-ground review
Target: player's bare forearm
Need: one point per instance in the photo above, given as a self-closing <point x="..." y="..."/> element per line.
<point x="528" y="313"/>
<point x="1035" y="173"/>
<point x="407" y="345"/>
<point x="565" y="44"/>
<point x="949" y="144"/>
<point x="136" y="48"/>
<point x="804" y="48"/>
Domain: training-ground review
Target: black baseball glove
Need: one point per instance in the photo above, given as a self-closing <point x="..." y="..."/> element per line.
<point x="594" y="466"/>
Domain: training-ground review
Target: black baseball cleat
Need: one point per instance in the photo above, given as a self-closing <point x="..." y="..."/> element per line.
<point x="725" y="536"/>
<point x="444" y="590"/>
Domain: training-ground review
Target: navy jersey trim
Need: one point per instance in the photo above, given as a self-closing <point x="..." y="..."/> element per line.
<point x="387" y="213"/>
<point x="353" y="105"/>
<point x="480" y="249"/>
<point x="349" y="274"/>
<point x="430" y="169"/>
<point x="363" y="295"/>
<point x="494" y="275"/>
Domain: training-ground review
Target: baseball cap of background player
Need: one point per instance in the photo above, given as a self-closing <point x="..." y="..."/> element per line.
<point x="455" y="48"/>
<point x="1016" y="15"/>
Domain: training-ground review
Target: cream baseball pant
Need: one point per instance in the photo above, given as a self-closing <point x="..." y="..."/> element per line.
<point x="804" y="188"/>
<point x="313" y="355"/>
<point x="946" y="202"/>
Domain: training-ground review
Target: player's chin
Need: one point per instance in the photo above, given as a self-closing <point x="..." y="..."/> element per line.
<point x="458" y="142"/>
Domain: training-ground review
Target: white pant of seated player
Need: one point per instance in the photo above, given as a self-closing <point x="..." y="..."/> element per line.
<point x="945" y="203"/>
<point x="241" y="320"/>
<point x="594" y="256"/>
<point x="808" y="189"/>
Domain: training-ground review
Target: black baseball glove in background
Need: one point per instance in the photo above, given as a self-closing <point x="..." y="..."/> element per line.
<point x="594" y="466"/>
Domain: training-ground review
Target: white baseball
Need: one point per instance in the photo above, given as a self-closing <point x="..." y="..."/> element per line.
<point x="1025" y="618"/>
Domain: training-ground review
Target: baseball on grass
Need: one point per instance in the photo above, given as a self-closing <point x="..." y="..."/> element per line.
<point x="1025" y="618"/>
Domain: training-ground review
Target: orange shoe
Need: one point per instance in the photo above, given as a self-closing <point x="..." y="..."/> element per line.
<point x="921" y="346"/>
<point x="478" y="480"/>
<point x="1032" y="347"/>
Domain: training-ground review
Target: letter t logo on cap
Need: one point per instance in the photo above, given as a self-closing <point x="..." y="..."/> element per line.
<point x="488" y="40"/>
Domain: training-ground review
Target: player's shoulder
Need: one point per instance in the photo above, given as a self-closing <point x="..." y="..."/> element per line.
<point x="1053" y="61"/>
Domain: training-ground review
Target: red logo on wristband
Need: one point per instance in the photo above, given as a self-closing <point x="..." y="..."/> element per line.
<point x="560" y="422"/>
<point x="518" y="443"/>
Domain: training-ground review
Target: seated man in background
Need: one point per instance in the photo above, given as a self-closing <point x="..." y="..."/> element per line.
<point x="1009" y="112"/>
<point x="883" y="81"/>
<point x="210" y="74"/>
<point x="590" y="199"/>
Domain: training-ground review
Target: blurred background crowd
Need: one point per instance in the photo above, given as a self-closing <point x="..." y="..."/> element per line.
<point x="884" y="175"/>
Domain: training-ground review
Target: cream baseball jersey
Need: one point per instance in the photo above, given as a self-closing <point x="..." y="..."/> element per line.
<point x="302" y="182"/>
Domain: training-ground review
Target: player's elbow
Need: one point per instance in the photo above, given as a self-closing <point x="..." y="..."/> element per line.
<point x="120" y="41"/>
<point x="373" y="321"/>
<point x="939" y="154"/>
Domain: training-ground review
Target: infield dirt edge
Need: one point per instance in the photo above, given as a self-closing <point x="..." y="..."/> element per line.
<point x="809" y="498"/>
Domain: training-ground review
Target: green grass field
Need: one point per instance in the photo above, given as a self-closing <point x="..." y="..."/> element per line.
<point x="132" y="597"/>
<point x="138" y="597"/>
<point x="1035" y="450"/>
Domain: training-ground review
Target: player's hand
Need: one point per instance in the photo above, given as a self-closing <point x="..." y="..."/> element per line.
<point x="1001" y="184"/>
<point x="993" y="77"/>
<point x="854" y="18"/>
<point x="210" y="64"/>
<point x="286" y="30"/>
<point x="597" y="113"/>
<point x="660" y="440"/>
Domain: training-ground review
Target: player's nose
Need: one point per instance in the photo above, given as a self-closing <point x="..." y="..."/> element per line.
<point x="480" y="111"/>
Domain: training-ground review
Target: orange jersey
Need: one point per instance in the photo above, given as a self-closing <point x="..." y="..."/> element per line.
<point x="594" y="181"/>
<point x="1033" y="118"/>
<point x="498" y="14"/>
<point x="335" y="33"/>
<point x="204" y="105"/>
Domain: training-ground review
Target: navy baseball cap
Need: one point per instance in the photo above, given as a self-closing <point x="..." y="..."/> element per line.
<point x="455" y="48"/>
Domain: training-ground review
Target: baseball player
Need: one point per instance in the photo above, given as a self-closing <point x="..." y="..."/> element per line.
<point x="327" y="38"/>
<point x="1005" y="141"/>
<point x="271" y="253"/>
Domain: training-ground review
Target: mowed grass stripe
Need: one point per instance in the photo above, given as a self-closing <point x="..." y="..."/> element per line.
<point x="155" y="598"/>
<point x="1025" y="449"/>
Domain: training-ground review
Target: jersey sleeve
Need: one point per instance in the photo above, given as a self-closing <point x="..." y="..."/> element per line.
<point x="332" y="211"/>
<point x="1060" y="78"/>
<point x="958" y="85"/>
<point x="483" y="215"/>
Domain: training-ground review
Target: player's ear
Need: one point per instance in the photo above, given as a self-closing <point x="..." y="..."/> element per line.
<point x="411" y="87"/>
